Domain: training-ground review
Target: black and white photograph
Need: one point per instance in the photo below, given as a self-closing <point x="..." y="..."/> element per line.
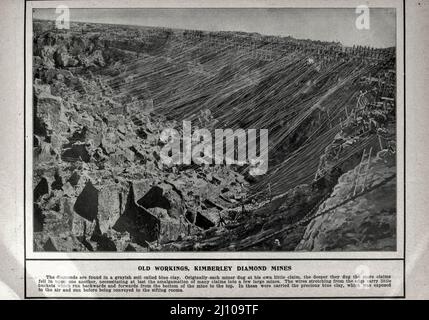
<point x="214" y="129"/>
<point x="212" y="157"/>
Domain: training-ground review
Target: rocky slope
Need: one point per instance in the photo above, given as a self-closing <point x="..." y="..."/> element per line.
<point x="361" y="221"/>
<point x="102" y="95"/>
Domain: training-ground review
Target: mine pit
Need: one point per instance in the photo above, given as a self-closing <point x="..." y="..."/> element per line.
<point x="103" y="94"/>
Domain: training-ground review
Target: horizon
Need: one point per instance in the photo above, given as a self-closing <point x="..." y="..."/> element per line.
<point x="302" y="24"/>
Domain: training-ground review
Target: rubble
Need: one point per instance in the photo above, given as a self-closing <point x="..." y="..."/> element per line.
<point x="102" y="99"/>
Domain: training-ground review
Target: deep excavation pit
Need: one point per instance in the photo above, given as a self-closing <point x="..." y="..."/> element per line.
<point x="102" y="98"/>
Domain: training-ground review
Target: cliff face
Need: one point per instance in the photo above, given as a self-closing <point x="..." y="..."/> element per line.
<point x="103" y="94"/>
<point x="99" y="183"/>
<point x="354" y="218"/>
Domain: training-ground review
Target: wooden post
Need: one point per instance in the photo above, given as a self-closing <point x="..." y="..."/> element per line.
<point x="380" y="142"/>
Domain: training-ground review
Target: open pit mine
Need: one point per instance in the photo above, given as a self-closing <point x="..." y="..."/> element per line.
<point x="102" y="95"/>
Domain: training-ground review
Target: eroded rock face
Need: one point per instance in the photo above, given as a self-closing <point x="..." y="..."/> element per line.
<point x="99" y="178"/>
<point x="149" y="225"/>
<point x="365" y="222"/>
<point x="86" y="204"/>
<point x="142" y="226"/>
<point x="49" y="111"/>
<point x="103" y="204"/>
<point x="91" y="142"/>
<point x="63" y="243"/>
<point x="110" y="207"/>
<point x="41" y="188"/>
<point x="205" y="221"/>
<point x="163" y="196"/>
<point x="96" y="59"/>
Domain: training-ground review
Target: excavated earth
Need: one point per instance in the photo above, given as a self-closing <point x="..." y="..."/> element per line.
<point x="103" y="94"/>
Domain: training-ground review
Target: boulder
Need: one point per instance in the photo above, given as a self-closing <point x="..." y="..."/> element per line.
<point x="160" y="213"/>
<point x="63" y="244"/>
<point x="40" y="88"/>
<point x="109" y="207"/>
<point x="38" y="218"/>
<point x="63" y="59"/>
<point x="54" y="220"/>
<point x="74" y="179"/>
<point x="140" y="188"/>
<point x="41" y="189"/>
<point x="149" y="225"/>
<point x="170" y="229"/>
<point x="142" y="226"/>
<point x="110" y="141"/>
<point x="45" y="152"/>
<point x="80" y="227"/>
<point x="163" y="196"/>
<point x="103" y="204"/>
<point x="134" y="247"/>
<point x="206" y="219"/>
<point x="111" y="240"/>
<point x="94" y="60"/>
<point x="49" y="111"/>
<point x="76" y="152"/>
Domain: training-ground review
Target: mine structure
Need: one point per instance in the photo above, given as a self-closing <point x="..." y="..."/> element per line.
<point x="102" y="94"/>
